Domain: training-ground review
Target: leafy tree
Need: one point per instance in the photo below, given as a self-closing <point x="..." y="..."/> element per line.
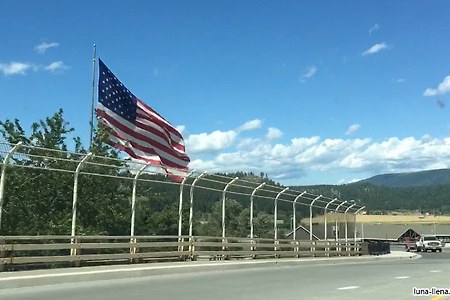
<point x="39" y="200"/>
<point x="263" y="225"/>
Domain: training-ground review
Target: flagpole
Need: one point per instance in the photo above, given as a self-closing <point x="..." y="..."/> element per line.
<point x="92" y="99"/>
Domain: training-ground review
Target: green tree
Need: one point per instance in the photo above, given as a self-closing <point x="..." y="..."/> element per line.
<point x="38" y="200"/>
<point x="263" y="225"/>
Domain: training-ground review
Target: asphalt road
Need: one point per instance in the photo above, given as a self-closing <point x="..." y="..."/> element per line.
<point x="375" y="278"/>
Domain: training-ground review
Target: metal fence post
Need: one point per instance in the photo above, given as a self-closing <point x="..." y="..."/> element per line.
<point x="223" y="209"/>
<point x="191" y="212"/>
<point x="356" y="213"/>
<point x="337" y="225"/>
<point x="133" y="206"/>
<point x="313" y="248"/>
<point x="73" y="251"/>
<point x="275" y="213"/>
<point x="326" y="218"/>
<point x="251" y="211"/>
<point x="3" y="176"/>
<point x="180" y="210"/>
<point x="275" y="218"/>
<point x="346" y="226"/>
<point x="251" y="208"/>
<point x="294" y="215"/>
<point x="311" y="216"/>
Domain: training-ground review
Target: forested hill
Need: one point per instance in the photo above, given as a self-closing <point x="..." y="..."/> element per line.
<point x="411" y="179"/>
<point x="426" y="198"/>
<point x="425" y="191"/>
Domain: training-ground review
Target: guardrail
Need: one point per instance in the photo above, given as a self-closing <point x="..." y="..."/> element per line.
<point x="27" y="252"/>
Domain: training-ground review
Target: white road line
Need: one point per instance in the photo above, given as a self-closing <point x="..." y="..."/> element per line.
<point x="90" y="272"/>
<point x="402" y="277"/>
<point x="134" y="269"/>
<point x="435" y="271"/>
<point x="352" y="287"/>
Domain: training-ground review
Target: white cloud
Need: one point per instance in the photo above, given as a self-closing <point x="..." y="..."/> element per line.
<point x="21" y="68"/>
<point x="442" y="88"/>
<point x="220" y="140"/>
<point x="250" y="125"/>
<point x="373" y="29"/>
<point x="352" y="129"/>
<point x="375" y="48"/>
<point x="15" y="68"/>
<point x="273" y="133"/>
<point x="293" y="160"/>
<point x="56" y="66"/>
<point x="308" y="74"/>
<point x="210" y="142"/>
<point x="43" y="47"/>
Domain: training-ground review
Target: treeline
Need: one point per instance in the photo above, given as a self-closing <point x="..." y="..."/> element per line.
<point x="38" y="199"/>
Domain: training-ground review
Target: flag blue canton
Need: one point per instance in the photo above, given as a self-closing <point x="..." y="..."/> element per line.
<point x="135" y="128"/>
<point x="115" y="96"/>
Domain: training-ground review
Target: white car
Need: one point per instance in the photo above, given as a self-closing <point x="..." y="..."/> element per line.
<point x="429" y="242"/>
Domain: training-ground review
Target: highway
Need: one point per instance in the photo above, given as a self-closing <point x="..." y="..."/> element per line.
<point x="386" y="277"/>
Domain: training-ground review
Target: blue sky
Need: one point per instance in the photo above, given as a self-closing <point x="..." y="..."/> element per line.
<point x="309" y="92"/>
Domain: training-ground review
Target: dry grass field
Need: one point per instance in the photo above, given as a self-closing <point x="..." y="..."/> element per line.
<point x="403" y="219"/>
<point x="385" y="219"/>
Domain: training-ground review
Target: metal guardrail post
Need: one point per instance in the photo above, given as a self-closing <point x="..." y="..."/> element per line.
<point x="223" y="208"/>
<point x="251" y="208"/>
<point x="294" y="220"/>
<point x="180" y="210"/>
<point x="191" y="212"/>
<point x="313" y="248"/>
<point x="336" y="220"/>
<point x="275" y="214"/>
<point x="3" y="176"/>
<point x="354" y="234"/>
<point x="311" y="216"/>
<point x="346" y="225"/>
<point x="133" y="206"/>
<point x="294" y="215"/>
<point x="325" y="215"/>
<point x="73" y="251"/>
<point x="338" y="248"/>
<point x="275" y="218"/>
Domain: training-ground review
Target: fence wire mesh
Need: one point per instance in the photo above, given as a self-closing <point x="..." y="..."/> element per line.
<point x="38" y="196"/>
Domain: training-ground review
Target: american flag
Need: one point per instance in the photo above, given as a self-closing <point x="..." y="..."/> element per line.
<point x="136" y="128"/>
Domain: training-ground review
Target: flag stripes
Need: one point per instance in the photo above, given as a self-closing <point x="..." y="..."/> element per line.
<point x="136" y="128"/>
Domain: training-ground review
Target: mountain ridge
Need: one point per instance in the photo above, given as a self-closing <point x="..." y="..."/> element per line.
<point x="410" y="179"/>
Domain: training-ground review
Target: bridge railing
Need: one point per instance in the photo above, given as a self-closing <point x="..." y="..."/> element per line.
<point x="26" y="252"/>
<point x="217" y="248"/>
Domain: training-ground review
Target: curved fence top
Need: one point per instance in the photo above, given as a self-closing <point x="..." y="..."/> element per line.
<point x="26" y="156"/>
